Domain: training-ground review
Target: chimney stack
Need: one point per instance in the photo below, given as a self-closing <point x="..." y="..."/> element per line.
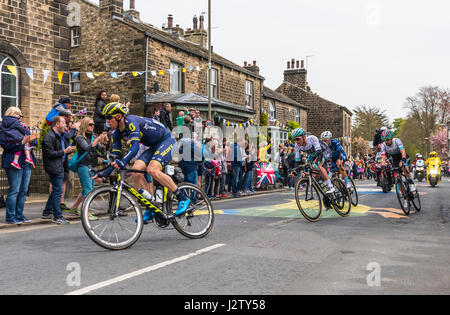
<point x="202" y="22"/>
<point x="296" y="73"/>
<point x="111" y="7"/>
<point x="132" y="13"/>
<point x="252" y="67"/>
<point x="198" y="35"/>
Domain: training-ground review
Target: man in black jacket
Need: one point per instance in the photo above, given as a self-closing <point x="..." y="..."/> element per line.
<point x="55" y="150"/>
<point x="164" y="116"/>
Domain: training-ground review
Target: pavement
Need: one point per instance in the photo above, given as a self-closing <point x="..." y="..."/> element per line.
<point x="35" y="205"/>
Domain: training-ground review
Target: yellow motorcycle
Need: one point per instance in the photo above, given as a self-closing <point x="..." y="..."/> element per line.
<point x="433" y="171"/>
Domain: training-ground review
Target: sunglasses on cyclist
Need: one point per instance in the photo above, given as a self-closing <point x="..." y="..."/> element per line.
<point x="109" y="117"/>
<point x="297" y="139"/>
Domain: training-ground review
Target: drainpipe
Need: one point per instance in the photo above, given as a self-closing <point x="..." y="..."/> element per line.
<point x="146" y="73"/>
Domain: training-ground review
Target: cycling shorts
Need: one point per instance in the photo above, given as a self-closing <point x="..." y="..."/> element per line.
<point x="161" y="153"/>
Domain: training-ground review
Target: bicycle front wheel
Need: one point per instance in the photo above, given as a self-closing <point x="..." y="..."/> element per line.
<point x="114" y="230"/>
<point x="198" y="220"/>
<point x="416" y="201"/>
<point x="308" y="200"/>
<point x="401" y="191"/>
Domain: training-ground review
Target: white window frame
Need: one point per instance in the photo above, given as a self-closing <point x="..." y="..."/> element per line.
<point x="249" y="95"/>
<point x="297" y="115"/>
<point x="214" y="78"/>
<point x="75" y="37"/>
<point x="2" y="62"/>
<point x="272" y="110"/>
<point x="72" y="82"/>
<point x="176" y="73"/>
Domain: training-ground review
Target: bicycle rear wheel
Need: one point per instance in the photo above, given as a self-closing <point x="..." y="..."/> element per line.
<point x="402" y="196"/>
<point x="343" y="201"/>
<point x="114" y="231"/>
<point x="198" y="221"/>
<point x="308" y="199"/>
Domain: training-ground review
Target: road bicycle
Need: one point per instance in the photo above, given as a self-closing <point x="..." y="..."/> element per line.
<point x="310" y="191"/>
<point x="404" y="194"/>
<point x="335" y="173"/>
<point x="119" y="207"/>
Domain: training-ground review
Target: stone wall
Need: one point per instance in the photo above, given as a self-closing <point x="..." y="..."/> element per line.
<point x="34" y="33"/>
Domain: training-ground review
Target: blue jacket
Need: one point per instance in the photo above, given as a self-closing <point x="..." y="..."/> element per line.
<point x="12" y="130"/>
<point x="9" y="150"/>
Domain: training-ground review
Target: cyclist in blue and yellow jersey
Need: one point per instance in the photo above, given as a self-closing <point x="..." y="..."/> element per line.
<point x="338" y="155"/>
<point x="318" y="154"/>
<point x="152" y="134"/>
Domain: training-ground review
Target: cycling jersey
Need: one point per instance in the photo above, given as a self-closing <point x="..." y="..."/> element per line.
<point x="337" y="151"/>
<point x="151" y="134"/>
<point x="393" y="149"/>
<point x="315" y="149"/>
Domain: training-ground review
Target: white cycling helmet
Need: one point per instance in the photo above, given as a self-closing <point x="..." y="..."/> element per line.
<point x="326" y="135"/>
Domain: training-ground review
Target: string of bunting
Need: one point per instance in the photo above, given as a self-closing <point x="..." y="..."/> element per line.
<point x="93" y="75"/>
<point x="227" y="123"/>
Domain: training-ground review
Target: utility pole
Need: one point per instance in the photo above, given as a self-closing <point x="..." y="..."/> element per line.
<point x="209" y="63"/>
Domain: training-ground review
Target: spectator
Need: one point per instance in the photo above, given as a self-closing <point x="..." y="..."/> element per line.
<point x="249" y="165"/>
<point x="18" y="179"/>
<point x="181" y="116"/>
<point x="188" y="124"/>
<point x="61" y="108"/>
<point x="99" y="119"/>
<point x="236" y="157"/>
<point x="191" y="157"/>
<point x="157" y="114"/>
<point x="87" y="146"/>
<point x="165" y="116"/>
<point x="55" y="154"/>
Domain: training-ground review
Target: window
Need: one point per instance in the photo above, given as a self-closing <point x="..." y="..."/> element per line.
<point x="297" y="116"/>
<point x="75" y="36"/>
<point x="75" y="82"/>
<point x="176" y="78"/>
<point x="272" y="111"/>
<point x="8" y="85"/>
<point x="249" y="94"/>
<point x="214" y="83"/>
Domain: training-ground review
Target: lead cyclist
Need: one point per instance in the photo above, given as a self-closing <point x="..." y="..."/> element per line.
<point x="152" y="134"/>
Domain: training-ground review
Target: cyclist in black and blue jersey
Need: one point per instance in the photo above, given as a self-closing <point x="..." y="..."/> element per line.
<point x="338" y="155"/>
<point x="152" y="134"/>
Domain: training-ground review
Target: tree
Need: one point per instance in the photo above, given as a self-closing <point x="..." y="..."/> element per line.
<point x="367" y="120"/>
<point x="397" y="127"/>
<point x="413" y="138"/>
<point x="360" y="146"/>
<point x="439" y="141"/>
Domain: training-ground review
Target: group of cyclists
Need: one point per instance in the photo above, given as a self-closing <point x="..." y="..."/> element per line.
<point x="323" y="152"/>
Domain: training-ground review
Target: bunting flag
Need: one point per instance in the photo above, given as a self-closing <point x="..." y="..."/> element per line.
<point x="13" y="70"/>
<point x="30" y="73"/>
<point x="135" y="74"/>
<point x="98" y="74"/>
<point x="161" y="72"/>
<point x="114" y="75"/>
<point x="90" y="75"/>
<point x="46" y="74"/>
<point x="153" y="73"/>
<point x="60" y="76"/>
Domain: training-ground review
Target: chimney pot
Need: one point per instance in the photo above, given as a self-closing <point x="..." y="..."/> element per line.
<point x="132" y="5"/>
<point x="303" y="64"/>
<point x="293" y="63"/>
<point x="170" y="21"/>
<point x="298" y="64"/>
<point x="254" y="63"/>
<point x="195" y="22"/>
<point x="202" y="20"/>
<point x="289" y="65"/>
<point x="245" y="63"/>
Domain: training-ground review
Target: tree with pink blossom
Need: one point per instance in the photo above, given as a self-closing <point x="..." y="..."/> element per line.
<point x="439" y="141"/>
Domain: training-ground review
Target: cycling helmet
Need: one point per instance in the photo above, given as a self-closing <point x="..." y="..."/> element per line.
<point x="326" y="135"/>
<point x="387" y="135"/>
<point x="433" y="154"/>
<point x="115" y="109"/>
<point x="298" y="133"/>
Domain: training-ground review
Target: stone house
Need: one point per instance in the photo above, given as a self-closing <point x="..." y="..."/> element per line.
<point x="167" y="62"/>
<point x="322" y="114"/>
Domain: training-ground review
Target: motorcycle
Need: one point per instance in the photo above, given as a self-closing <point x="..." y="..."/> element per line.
<point x="433" y="173"/>
<point x="419" y="172"/>
<point x="384" y="175"/>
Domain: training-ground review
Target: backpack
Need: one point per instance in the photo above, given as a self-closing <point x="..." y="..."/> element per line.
<point x="74" y="161"/>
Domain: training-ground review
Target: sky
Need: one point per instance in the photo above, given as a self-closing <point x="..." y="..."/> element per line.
<point x="362" y="52"/>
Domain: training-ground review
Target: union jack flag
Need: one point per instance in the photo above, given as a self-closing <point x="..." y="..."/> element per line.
<point x="82" y="112"/>
<point x="265" y="174"/>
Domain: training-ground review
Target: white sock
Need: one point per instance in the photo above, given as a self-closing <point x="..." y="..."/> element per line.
<point x="329" y="184"/>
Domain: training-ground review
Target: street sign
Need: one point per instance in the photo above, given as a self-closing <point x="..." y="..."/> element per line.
<point x="209" y="124"/>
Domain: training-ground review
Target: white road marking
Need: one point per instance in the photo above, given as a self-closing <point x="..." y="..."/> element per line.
<point x="143" y="271"/>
